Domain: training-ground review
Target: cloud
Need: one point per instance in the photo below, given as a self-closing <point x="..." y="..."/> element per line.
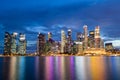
<point x="116" y="43"/>
<point x="31" y="43"/>
<point x="38" y="29"/>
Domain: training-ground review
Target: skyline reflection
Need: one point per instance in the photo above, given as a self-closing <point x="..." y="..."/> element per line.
<point x="60" y="68"/>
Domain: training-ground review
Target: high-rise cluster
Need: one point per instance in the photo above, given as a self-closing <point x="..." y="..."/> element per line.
<point x="13" y="45"/>
<point x="47" y="45"/>
<point x="83" y="42"/>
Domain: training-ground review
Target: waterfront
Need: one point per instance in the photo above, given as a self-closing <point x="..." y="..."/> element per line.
<point x="60" y="68"/>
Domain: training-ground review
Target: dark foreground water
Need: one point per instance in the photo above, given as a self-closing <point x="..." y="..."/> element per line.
<point x="59" y="68"/>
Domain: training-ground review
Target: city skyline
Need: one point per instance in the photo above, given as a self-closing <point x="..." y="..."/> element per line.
<point x="31" y="17"/>
<point x="85" y="41"/>
<point x="48" y="36"/>
<point x="60" y="39"/>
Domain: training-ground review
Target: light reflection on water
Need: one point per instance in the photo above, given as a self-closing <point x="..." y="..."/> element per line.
<point x="60" y="68"/>
<point x="97" y="68"/>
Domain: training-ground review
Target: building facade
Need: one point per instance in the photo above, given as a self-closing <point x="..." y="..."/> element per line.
<point x="91" y="39"/>
<point x="97" y="37"/>
<point x="85" y="37"/>
<point x="49" y="35"/>
<point x="22" y="44"/>
<point x="63" y="41"/>
<point x="80" y="36"/>
<point x="41" y="43"/>
<point x="109" y="46"/>
<point x="79" y="47"/>
<point x="14" y="43"/>
<point x="69" y="43"/>
<point x="7" y="43"/>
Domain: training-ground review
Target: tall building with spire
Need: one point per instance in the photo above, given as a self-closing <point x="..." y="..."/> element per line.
<point x="63" y="41"/>
<point x="97" y="37"/>
<point x="85" y="36"/>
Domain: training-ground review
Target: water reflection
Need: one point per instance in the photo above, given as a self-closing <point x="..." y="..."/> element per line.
<point x="21" y="68"/>
<point x="114" y="68"/>
<point x="49" y="68"/>
<point x="60" y="68"/>
<point x="37" y="68"/>
<point x="5" y="69"/>
<point x="82" y="68"/>
<point x="13" y="69"/>
<point x="97" y="68"/>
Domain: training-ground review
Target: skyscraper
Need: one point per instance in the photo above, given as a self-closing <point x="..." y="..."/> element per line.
<point x="91" y="39"/>
<point x="79" y="47"/>
<point x="41" y="43"/>
<point x="109" y="46"/>
<point x="7" y="43"/>
<point x="13" y="43"/>
<point x="50" y="40"/>
<point x="97" y="37"/>
<point x="63" y="41"/>
<point x="79" y="42"/>
<point x="69" y="43"/>
<point x="69" y="37"/>
<point x="79" y="36"/>
<point x="22" y="44"/>
<point x="85" y="37"/>
<point x="49" y="35"/>
<point x="101" y="43"/>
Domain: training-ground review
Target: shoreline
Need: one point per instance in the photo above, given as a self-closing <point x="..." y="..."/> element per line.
<point x="60" y="55"/>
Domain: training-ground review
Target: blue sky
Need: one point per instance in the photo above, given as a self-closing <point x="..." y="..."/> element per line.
<point x="33" y="16"/>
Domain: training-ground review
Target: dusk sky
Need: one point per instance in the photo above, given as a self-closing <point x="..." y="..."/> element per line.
<point x="33" y="16"/>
